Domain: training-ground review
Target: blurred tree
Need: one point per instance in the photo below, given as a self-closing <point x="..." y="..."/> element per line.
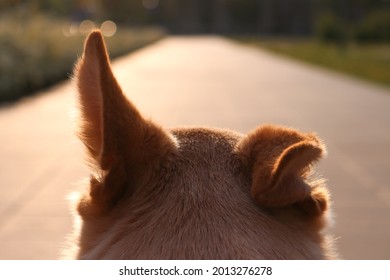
<point x="374" y="27"/>
<point x="7" y="4"/>
<point x="363" y="20"/>
<point x="286" y="17"/>
<point x="266" y="19"/>
<point x="243" y="14"/>
<point x="57" y="6"/>
<point x="125" y="11"/>
<point x="330" y="28"/>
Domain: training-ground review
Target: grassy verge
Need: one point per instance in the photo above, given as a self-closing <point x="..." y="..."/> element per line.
<point x="35" y="53"/>
<point x="369" y="61"/>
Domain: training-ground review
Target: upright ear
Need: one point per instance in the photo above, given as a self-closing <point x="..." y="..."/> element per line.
<point x="280" y="160"/>
<point x="119" y="140"/>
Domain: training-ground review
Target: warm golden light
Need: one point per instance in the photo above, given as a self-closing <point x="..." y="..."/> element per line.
<point x="108" y="28"/>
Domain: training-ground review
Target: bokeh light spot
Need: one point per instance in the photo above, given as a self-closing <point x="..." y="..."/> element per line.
<point x="86" y="26"/>
<point x="108" y="28"/>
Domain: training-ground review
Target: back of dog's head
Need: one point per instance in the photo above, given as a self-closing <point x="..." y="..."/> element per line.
<point x="191" y="193"/>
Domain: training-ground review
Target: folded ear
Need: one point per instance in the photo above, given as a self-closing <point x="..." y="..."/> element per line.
<point x="119" y="140"/>
<point x="280" y="160"/>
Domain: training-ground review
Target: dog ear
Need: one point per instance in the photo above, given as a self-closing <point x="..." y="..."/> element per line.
<point x="119" y="140"/>
<point x="280" y="160"/>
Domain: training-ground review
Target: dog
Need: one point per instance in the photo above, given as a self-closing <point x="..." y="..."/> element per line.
<point x="191" y="193"/>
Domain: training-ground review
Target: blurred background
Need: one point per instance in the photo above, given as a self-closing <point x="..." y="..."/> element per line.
<point x="49" y="31"/>
<point x="41" y="39"/>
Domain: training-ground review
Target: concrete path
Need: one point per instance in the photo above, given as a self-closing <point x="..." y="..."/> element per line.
<point x="203" y="81"/>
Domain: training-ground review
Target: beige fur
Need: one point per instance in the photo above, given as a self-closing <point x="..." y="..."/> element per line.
<point x="191" y="193"/>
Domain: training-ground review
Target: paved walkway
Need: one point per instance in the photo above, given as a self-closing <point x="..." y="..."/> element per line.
<point x="203" y="81"/>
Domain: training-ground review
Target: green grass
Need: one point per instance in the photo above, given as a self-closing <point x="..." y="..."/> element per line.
<point x="369" y="61"/>
<point x="35" y="53"/>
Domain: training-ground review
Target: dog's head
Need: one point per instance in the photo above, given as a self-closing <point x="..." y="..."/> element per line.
<point x="192" y="193"/>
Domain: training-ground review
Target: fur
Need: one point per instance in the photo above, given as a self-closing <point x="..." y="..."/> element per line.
<point x="191" y="193"/>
